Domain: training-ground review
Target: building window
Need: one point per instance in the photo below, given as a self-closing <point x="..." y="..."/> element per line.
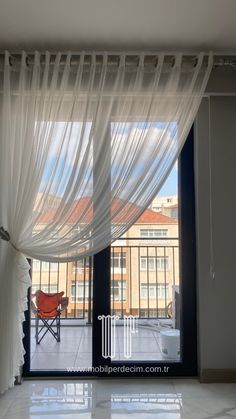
<point x="117" y="312"/>
<point x="118" y="290"/>
<point x="79" y="265"/>
<point x="153" y="232"/>
<point x="79" y="291"/>
<point x="118" y="262"/>
<point x="52" y="288"/>
<point x="162" y="312"/>
<point x="38" y="266"/>
<point x="77" y="313"/>
<point x="153" y="312"/>
<point x="143" y="313"/>
<point x="156" y="291"/>
<point x="153" y="263"/>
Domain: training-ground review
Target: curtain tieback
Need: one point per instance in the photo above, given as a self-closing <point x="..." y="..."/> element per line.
<point x="4" y="235"/>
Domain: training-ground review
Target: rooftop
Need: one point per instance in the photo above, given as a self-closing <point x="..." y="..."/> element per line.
<point x="84" y="206"/>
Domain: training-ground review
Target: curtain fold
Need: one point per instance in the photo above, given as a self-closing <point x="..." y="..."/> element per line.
<point x="84" y="148"/>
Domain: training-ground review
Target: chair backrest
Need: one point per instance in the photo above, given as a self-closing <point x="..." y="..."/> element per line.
<point x="47" y="302"/>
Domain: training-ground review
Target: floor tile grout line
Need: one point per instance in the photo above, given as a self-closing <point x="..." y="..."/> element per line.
<point x="78" y="352"/>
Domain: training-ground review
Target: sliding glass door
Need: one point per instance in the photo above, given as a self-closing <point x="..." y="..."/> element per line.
<point x="131" y="307"/>
<point x="145" y="288"/>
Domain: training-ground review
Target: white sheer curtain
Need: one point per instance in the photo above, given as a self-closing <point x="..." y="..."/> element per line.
<point x="86" y="142"/>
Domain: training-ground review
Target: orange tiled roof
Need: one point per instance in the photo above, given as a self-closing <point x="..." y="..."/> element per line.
<point x="152" y="217"/>
<point x="84" y="205"/>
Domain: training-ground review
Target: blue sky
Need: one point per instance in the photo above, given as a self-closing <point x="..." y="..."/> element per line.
<point x="62" y="170"/>
<point x="170" y="186"/>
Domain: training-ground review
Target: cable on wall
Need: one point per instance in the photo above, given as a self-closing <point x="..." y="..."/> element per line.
<point x="212" y="254"/>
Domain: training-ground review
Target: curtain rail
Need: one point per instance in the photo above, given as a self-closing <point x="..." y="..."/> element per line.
<point x="119" y="52"/>
<point x="219" y="60"/>
<point x="222" y="62"/>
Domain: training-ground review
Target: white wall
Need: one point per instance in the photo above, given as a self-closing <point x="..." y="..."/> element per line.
<point x="216" y="298"/>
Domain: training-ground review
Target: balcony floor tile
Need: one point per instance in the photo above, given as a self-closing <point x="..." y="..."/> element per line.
<point x="75" y="348"/>
<point x="53" y="360"/>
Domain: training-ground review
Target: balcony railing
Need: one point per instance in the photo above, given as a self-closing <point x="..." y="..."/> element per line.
<point x="144" y="273"/>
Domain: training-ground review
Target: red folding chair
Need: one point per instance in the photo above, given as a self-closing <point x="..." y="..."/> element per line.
<point x="47" y="309"/>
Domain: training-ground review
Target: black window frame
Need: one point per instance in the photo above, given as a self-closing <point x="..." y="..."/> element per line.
<point x="101" y="295"/>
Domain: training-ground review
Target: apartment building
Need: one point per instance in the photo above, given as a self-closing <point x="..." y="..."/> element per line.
<point x="166" y="205"/>
<point x="144" y="268"/>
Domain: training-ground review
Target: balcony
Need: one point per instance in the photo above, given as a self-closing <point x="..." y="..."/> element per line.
<point x="144" y="277"/>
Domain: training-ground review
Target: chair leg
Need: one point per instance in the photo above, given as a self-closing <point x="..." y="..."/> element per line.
<point x="58" y="328"/>
<point x="48" y="324"/>
<point x="37" y="329"/>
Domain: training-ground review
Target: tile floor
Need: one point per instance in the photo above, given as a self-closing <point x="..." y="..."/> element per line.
<point x="119" y="399"/>
<point x="75" y="348"/>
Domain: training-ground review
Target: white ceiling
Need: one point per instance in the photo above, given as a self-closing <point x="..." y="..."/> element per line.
<point x="118" y="24"/>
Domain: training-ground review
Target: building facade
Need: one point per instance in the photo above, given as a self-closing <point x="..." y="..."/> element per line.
<point x="166" y="205"/>
<point x="144" y="269"/>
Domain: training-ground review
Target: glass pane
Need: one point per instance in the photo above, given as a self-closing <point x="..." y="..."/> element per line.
<point x="146" y="262"/>
<point x="74" y="350"/>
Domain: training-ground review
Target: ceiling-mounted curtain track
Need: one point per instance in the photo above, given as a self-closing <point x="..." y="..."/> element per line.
<point x="131" y="58"/>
